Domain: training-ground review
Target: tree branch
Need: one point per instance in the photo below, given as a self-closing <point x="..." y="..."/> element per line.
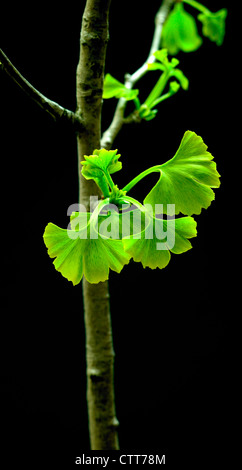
<point x="130" y="80"/>
<point x="159" y="21"/>
<point x="99" y="346"/>
<point x="55" y="110"/>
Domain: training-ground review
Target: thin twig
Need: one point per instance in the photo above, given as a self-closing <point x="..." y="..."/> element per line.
<point x="55" y="110"/>
<point x="130" y="80"/>
<point x="159" y="21"/>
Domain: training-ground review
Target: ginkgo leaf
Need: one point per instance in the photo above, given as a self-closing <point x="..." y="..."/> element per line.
<point x="180" y="31"/>
<point x="84" y="252"/>
<point x="186" y="180"/>
<point x="145" y="251"/>
<point x="112" y="88"/>
<point x="179" y="75"/>
<point x="185" y="227"/>
<point x="169" y="66"/>
<point x="100" y="162"/>
<point x="159" y="238"/>
<point x="214" y="25"/>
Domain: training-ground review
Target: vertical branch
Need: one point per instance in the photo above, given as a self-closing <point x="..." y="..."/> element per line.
<point x="89" y="84"/>
<point x="103" y="424"/>
<point x="99" y="346"/>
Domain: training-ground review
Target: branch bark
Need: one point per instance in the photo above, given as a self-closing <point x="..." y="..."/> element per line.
<point x="55" y="110"/>
<point x="130" y="80"/>
<point x="99" y="347"/>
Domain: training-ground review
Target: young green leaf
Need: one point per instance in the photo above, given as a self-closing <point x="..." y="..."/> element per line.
<point x="173" y="88"/>
<point x="186" y="180"/>
<point x="84" y="252"/>
<point x="112" y="88"/>
<point x="153" y="251"/>
<point x="214" y="25"/>
<point x="156" y="95"/>
<point x="99" y="166"/>
<point x="180" y="31"/>
<point x="179" y="75"/>
<point x="165" y="65"/>
<point x="100" y="162"/>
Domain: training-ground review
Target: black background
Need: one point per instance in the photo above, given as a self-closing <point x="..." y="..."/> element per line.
<point x="174" y="367"/>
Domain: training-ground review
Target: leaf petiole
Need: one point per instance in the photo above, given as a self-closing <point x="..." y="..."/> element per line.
<point x="109" y="180"/>
<point x="105" y="182"/>
<point x="138" y="178"/>
<point x="102" y="183"/>
<point x="121" y="200"/>
<point x="171" y="92"/>
<point x="197" y="5"/>
<point x="158" y="89"/>
<point x="132" y="201"/>
<point x="137" y="103"/>
<point x="98" y="209"/>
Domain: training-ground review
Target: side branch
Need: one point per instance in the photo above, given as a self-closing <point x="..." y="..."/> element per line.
<point x="55" y="110"/>
<point x="159" y="22"/>
<point x="130" y="80"/>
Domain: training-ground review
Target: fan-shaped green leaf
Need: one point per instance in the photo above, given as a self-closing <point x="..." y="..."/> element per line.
<point x="159" y="238"/>
<point x="186" y="180"/>
<point x="100" y="162"/>
<point x="112" y="88"/>
<point x="180" y="31"/>
<point x="84" y="251"/>
<point x="214" y="25"/>
<point x="169" y="66"/>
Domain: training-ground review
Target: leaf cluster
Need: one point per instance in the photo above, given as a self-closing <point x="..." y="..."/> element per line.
<point x="180" y="31"/>
<point x="121" y="227"/>
<point x="168" y="68"/>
